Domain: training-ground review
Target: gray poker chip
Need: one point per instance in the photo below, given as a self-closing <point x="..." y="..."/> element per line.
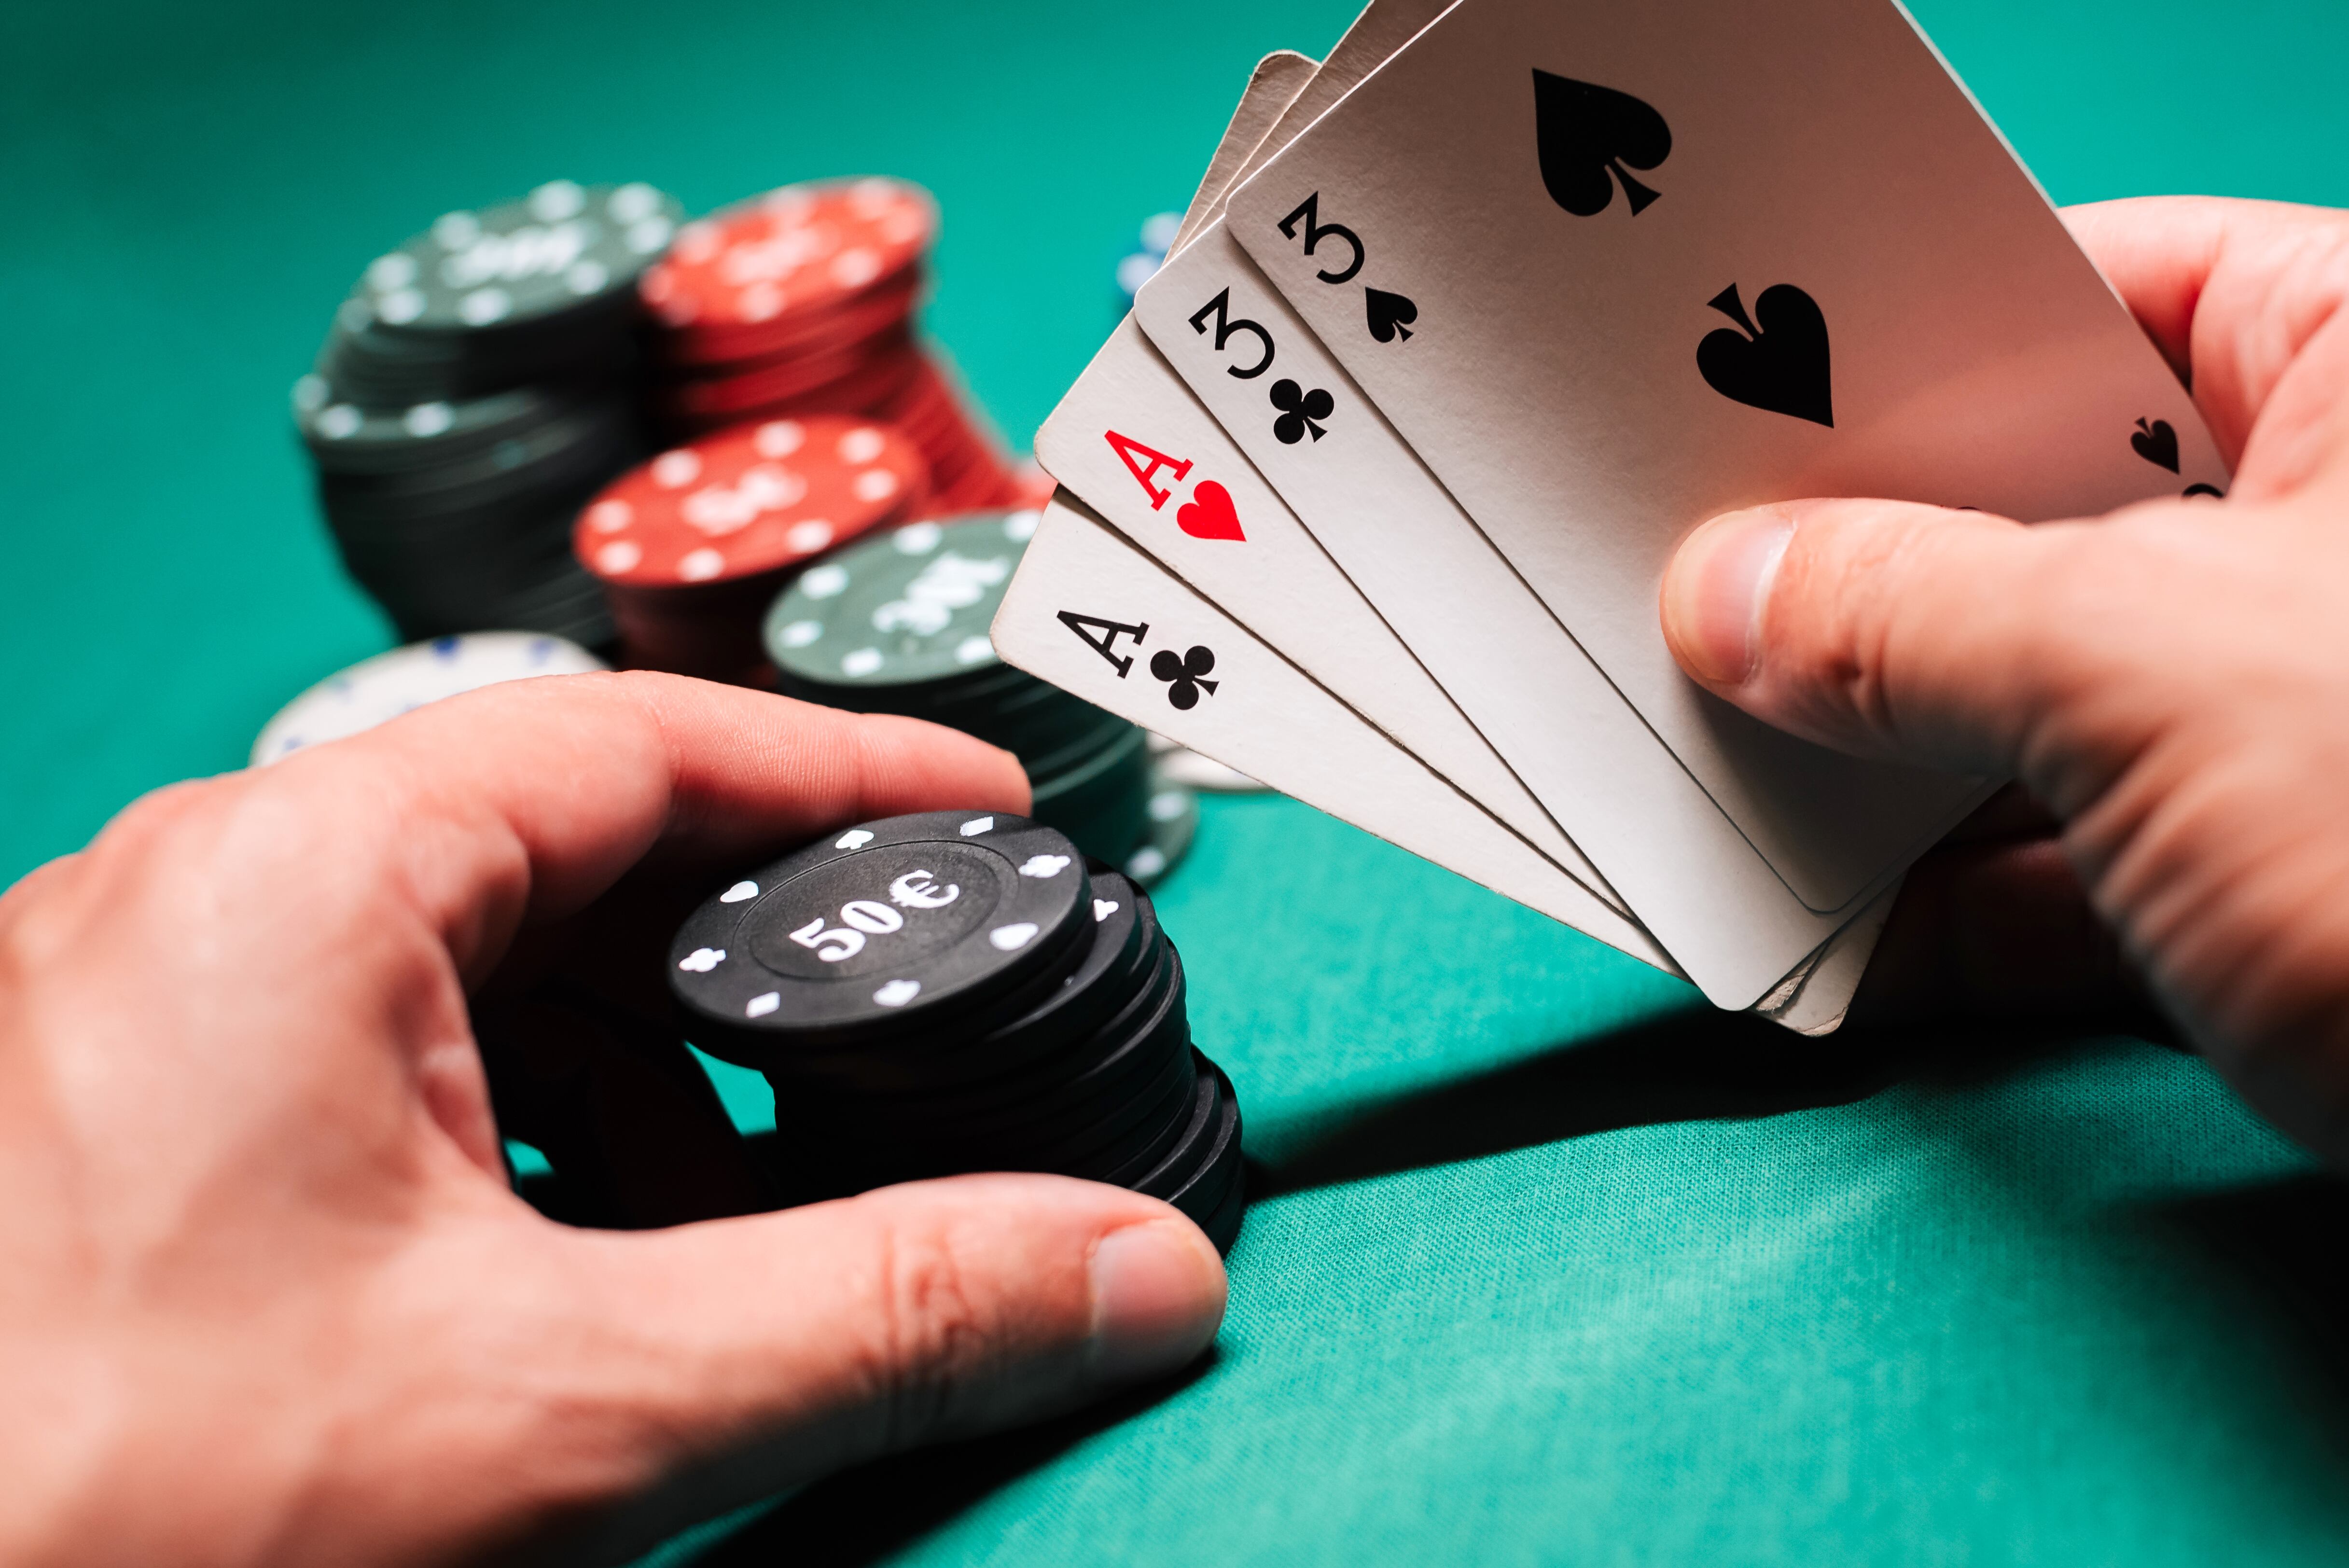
<point x="562" y="247"/>
<point x="876" y="931"/>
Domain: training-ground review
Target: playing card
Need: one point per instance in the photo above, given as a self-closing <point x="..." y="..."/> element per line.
<point x="1095" y="616"/>
<point x="1275" y="83"/>
<point x="1134" y="443"/>
<point x="1609" y="272"/>
<point x="1382" y="27"/>
<point x="1654" y="834"/>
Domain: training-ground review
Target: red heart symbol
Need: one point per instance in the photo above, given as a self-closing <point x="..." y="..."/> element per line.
<point x="1208" y="513"/>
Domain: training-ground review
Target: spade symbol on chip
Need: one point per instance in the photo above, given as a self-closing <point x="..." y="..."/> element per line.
<point x="1185" y="677"/>
<point x="1583" y="136"/>
<point x="1300" y="411"/>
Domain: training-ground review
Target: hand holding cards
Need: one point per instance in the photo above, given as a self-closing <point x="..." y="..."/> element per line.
<point x="1428" y="408"/>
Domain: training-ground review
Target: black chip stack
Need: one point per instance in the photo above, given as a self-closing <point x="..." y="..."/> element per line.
<point x="898" y="624"/>
<point x="478" y="386"/>
<point x="959" y="991"/>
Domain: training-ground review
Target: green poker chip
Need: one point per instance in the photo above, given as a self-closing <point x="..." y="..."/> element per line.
<point x="906" y="609"/>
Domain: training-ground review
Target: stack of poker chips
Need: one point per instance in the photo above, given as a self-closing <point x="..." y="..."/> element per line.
<point x="388" y="684"/>
<point x="898" y="624"/>
<point x="957" y="991"/>
<point x="692" y="546"/>
<point x="477" y="387"/>
<point x="802" y="302"/>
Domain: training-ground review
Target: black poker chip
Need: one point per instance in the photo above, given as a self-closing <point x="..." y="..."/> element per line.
<point x="962" y="991"/>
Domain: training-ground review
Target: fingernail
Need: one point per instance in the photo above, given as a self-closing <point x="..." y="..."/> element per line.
<point x="1714" y="591"/>
<point x="1158" y="1299"/>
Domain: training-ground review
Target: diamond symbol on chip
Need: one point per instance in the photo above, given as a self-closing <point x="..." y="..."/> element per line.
<point x="1102" y="909"/>
<point x="897" y="993"/>
<point x="1011" y="938"/>
<point x="855" y="839"/>
<point x="763" y="1004"/>
<point x="977" y="826"/>
<point x="1042" y="865"/>
<point x="702" y="960"/>
<point x="739" y="892"/>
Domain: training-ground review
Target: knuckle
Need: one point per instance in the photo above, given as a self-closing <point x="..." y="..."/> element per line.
<point x="931" y="1335"/>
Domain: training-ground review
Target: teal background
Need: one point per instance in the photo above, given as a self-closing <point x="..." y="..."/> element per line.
<point x="1556" y="1266"/>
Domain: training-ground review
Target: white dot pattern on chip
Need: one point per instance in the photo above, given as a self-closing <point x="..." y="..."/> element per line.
<point x="763" y="1004"/>
<point x="1011" y="938"/>
<point x="1102" y="909"/>
<point x="739" y="892"/>
<point x="610" y="515"/>
<point x="311" y="392"/>
<point x="855" y="839"/>
<point x="701" y="565"/>
<point x="586" y="277"/>
<point x="1145" y="863"/>
<point x="873" y="485"/>
<point x="484" y="306"/>
<point x="853" y="269"/>
<point x="455" y="231"/>
<point x="395" y="271"/>
<point x="620" y="555"/>
<point x="824" y="581"/>
<point x="702" y="960"/>
<point x="860" y="662"/>
<point x="648" y="236"/>
<point x="675" y="470"/>
<point x="429" y="419"/>
<point x="861" y="445"/>
<point x="1020" y="526"/>
<point x="556" y="200"/>
<point x="779" y="438"/>
<point x="917" y="538"/>
<point x="1044" y="867"/>
<point x="800" y="633"/>
<point x="400" y="306"/>
<point x="340" y="422"/>
<point x="897" y="993"/>
<point x="973" y="650"/>
<point x="1167" y="805"/>
<point x="977" y="826"/>
<point x="808" y="537"/>
<point x="762" y="302"/>
<point x="632" y="202"/>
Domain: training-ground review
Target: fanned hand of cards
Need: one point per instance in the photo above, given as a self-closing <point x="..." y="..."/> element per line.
<point x="1372" y="495"/>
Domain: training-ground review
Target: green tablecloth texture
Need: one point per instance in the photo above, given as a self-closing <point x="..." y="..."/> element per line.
<point x="1555" y="1265"/>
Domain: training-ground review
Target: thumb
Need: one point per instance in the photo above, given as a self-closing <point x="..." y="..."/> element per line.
<point x="1906" y="632"/>
<point x="719" y="1363"/>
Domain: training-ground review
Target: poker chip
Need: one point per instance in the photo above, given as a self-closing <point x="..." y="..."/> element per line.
<point x="693" y="544"/>
<point x="1138" y="267"/>
<point x="898" y="623"/>
<point x="800" y="303"/>
<point x="962" y="991"/>
<point x="391" y="683"/>
<point x="475" y="389"/>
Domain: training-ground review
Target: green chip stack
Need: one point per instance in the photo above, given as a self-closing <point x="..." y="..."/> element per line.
<point x="898" y="624"/>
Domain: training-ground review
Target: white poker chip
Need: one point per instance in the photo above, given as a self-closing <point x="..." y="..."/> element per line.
<point x="390" y="684"/>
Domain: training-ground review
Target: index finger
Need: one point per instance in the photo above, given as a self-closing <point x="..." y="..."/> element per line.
<point x="527" y="800"/>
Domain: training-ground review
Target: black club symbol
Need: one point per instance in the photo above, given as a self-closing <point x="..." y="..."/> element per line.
<point x="1184" y="676"/>
<point x="1298" y="411"/>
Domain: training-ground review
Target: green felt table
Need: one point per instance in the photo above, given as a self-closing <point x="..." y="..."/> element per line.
<point x="1550" y="1265"/>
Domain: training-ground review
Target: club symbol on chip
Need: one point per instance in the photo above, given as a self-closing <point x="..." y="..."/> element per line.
<point x="1300" y="411"/>
<point x="1044" y="865"/>
<point x="2156" y="443"/>
<point x="1102" y="909"/>
<point x="855" y="839"/>
<point x="977" y="826"/>
<point x="897" y="993"/>
<point x="1013" y="937"/>
<point x="739" y="892"/>
<point x="702" y="960"/>
<point x="1185" y="677"/>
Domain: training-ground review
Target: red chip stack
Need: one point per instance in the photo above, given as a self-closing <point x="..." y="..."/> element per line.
<point x="692" y="546"/>
<point x="800" y="302"/>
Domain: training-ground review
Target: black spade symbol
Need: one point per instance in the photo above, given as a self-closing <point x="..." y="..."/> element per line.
<point x="1390" y="314"/>
<point x="1584" y="135"/>
<point x="1779" y="362"/>
<point x="1185" y="677"/>
<point x="2156" y="443"/>
<point x="1299" y="411"/>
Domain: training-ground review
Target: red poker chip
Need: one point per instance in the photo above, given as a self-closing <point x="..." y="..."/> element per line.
<point x="752" y="499"/>
<point x="800" y="250"/>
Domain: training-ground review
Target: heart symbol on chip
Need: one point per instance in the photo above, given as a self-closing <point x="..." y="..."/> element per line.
<point x="1011" y="938"/>
<point x="1209" y="513"/>
<point x="855" y="839"/>
<point x="897" y="993"/>
<point x="1102" y="909"/>
<point x="739" y="892"/>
